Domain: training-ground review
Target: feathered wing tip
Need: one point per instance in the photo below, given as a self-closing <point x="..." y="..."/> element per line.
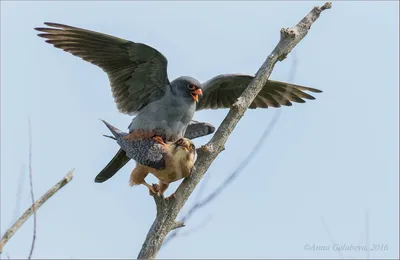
<point x="115" y="131"/>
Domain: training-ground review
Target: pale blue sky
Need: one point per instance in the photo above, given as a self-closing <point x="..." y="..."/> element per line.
<point x="334" y="157"/>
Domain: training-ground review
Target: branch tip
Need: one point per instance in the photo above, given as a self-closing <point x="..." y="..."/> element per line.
<point x="327" y="5"/>
<point x="70" y="175"/>
<point x="178" y="224"/>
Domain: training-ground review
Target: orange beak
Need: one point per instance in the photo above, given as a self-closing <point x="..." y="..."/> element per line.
<point x="184" y="144"/>
<point x="186" y="147"/>
<point x="195" y="94"/>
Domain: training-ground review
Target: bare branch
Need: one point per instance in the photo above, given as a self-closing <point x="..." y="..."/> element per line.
<point x="14" y="228"/>
<point x="202" y="203"/>
<point x="186" y="233"/>
<point x="178" y="224"/>
<point x="167" y="211"/>
<point x="21" y="180"/>
<point x="31" y="186"/>
<point x="199" y="204"/>
<point x="198" y="227"/>
<point x="202" y="187"/>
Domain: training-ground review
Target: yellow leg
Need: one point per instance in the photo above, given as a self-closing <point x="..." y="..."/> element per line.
<point x="151" y="188"/>
<point x="158" y="139"/>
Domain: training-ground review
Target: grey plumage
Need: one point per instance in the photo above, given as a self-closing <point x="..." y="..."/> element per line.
<point x="194" y="130"/>
<point x="146" y="152"/>
<point x="170" y="115"/>
<point x="140" y="86"/>
<point x="168" y="162"/>
<point x="197" y="129"/>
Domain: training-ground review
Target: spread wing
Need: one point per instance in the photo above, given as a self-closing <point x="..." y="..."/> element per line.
<point x="197" y="129"/>
<point x="137" y="72"/>
<point x="223" y="90"/>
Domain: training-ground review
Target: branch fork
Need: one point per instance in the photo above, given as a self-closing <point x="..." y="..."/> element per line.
<point x="168" y="211"/>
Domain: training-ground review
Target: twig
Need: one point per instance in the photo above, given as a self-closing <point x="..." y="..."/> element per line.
<point x="21" y="180"/>
<point x="167" y="211"/>
<point x="31" y="186"/>
<point x="203" y="223"/>
<point x="176" y="233"/>
<point x="202" y="187"/>
<point x="14" y="228"/>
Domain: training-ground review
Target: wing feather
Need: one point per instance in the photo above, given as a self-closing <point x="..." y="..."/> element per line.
<point x="197" y="129"/>
<point x="137" y="72"/>
<point x="222" y="92"/>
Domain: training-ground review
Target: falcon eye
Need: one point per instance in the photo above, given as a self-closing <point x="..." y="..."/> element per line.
<point x="192" y="147"/>
<point x="179" y="142"/>
<point x="192" y="87"/>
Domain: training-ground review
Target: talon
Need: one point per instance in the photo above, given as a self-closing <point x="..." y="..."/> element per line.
<point x="151" y="188"/>
<point x="171" y="197"/>
<point x="156" y="187"/>
<point x="152" y="191"/>
<point x="158" y="139"/>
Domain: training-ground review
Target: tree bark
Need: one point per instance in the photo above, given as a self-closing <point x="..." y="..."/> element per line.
<point x="167" y="211"/>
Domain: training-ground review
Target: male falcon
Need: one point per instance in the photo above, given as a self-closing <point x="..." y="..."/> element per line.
<point x="168" y="162"/>
<point x="140" y="86"/>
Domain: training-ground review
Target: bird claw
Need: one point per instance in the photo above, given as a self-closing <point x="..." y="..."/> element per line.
<point x="152" y="191"/>
<point x="156" y="187"/>
<point x="171" y="197"/>
<point x="158" y="139"/>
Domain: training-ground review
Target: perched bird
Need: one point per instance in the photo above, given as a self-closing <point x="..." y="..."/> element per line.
<point x="140" y="85"/>
<point x="168" y="162"/>
<point x="194" y="130"/>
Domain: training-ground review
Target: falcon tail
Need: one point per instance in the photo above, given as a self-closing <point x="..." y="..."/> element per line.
<point x="119" y="160"/>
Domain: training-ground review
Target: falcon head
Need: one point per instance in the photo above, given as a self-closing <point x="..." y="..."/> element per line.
<point x="187" y="87"/>
<point x="185" y="144"/>
<point x="179" y="155"/>
<point x="184" y="150"/>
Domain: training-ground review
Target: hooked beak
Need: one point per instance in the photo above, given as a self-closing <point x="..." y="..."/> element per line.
<point x="185" y="145"/>
<point x="195" y="94"/>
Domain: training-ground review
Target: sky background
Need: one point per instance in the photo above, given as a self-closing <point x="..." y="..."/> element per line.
<point x="334" y="158"/>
